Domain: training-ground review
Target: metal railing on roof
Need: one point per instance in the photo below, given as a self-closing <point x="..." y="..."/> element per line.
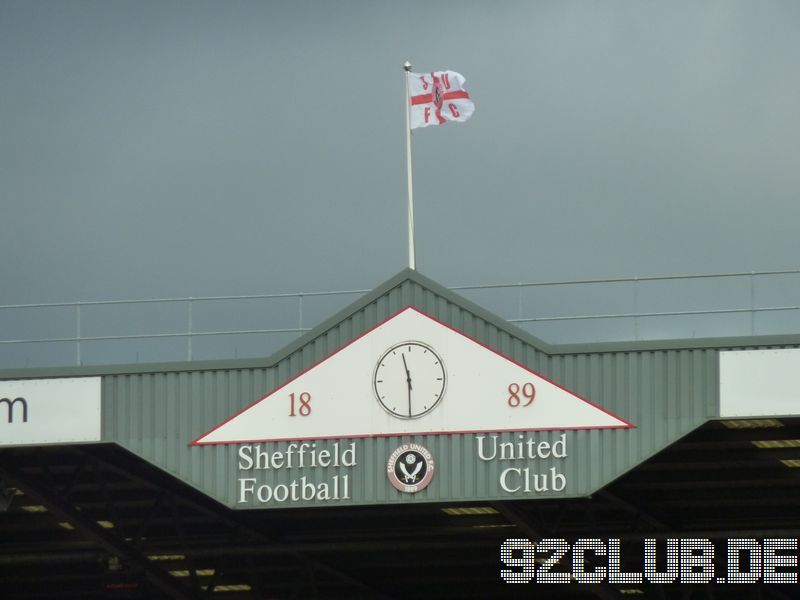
<point x="508" y="300"/>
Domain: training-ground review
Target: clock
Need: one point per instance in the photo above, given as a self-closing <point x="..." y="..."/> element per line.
<point x="409" y="380"/>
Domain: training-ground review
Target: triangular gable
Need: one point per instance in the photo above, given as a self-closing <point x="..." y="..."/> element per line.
<point x="411" y="375"/>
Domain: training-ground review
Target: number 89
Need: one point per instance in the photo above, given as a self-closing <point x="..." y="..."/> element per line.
<point x="528" y="392"/>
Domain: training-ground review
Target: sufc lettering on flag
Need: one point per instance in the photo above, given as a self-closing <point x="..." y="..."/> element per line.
<point x="438" y="97"/>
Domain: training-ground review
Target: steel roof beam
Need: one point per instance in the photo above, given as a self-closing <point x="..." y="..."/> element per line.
<point x="6" y="496"/>
<point x="234" y="523"/>
<point x="97" y="534"/>
<point x="627" y="506"/>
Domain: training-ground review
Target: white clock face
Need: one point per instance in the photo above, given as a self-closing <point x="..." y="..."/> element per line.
<point x="409" y="380"/>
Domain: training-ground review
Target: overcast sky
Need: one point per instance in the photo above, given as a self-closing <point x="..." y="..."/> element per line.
<point x="152" y="149"/>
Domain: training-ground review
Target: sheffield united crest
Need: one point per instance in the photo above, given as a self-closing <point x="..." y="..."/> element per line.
<point x="410" y="468"/>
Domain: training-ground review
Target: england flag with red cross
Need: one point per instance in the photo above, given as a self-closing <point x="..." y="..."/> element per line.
<point x="438" y="97"/>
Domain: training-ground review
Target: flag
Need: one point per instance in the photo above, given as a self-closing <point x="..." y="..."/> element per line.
<point x="438" y="97"/>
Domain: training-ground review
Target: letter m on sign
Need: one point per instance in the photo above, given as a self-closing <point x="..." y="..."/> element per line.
<point x="10" y="408"/>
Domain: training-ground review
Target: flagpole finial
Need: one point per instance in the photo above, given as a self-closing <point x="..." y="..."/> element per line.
<point x="407" y="66"/>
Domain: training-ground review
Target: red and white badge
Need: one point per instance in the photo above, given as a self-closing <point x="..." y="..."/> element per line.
<point x="410" y="468"/>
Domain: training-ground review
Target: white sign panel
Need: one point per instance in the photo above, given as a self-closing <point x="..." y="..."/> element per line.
<point x="759" y="383"/>
<point x="49" y="411"/>
<point x="411" y="375"/>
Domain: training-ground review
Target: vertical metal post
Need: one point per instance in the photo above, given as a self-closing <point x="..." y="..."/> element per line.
<point x="189" y="336"/>
<point x="300" y="314"/>
<point x="636" y="308"/>
<point x="752" y="303"/>
<point x="78" y="333"/>
<point x="412" y="261"/>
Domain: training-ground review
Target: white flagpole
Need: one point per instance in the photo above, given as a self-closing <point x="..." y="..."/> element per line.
<point x="412" y="263"/>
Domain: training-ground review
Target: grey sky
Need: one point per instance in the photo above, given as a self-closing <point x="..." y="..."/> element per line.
<point x="150" y="149"/>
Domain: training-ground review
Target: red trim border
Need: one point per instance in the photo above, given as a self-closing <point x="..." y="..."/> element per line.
<point x="197" y="442"/>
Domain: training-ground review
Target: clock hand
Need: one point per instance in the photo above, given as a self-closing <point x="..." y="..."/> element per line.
<point x="408" y="373"/>
<point x="408" y="381"/>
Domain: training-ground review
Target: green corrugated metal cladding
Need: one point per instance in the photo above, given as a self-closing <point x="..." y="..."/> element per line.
<point x="664" y="392"/>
